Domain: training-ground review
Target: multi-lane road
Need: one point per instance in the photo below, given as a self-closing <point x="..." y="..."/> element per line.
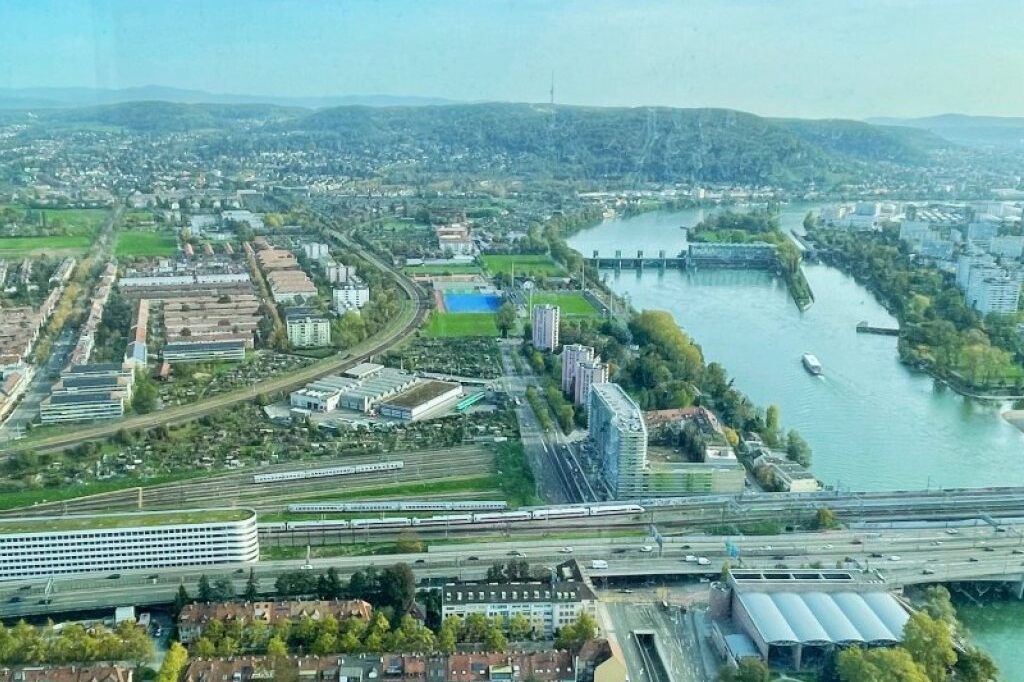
<point x="892" y="557"/>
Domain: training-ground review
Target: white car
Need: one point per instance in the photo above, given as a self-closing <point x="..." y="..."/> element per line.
<point x="646" y="549"/>
<point x="690" y="559"/>
<point x="826" y="546"/>
<point x="952" y="531"/>
<point x="703" y="561"/>
<point x="566" y="550"/>
<point x="895" y="557"/>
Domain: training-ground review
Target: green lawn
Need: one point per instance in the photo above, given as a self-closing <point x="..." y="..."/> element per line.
<point x="12" y="247"/>
<point x="79" y="221"/>
<point x="570" y="302"/>
<point x="462" y="324"/>
<point x="146" y="244"/>
<point x="526" y="265"/>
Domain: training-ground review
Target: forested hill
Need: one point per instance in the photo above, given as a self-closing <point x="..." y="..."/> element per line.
<point x="618" y="144"/>
<point x="660" y="144"/>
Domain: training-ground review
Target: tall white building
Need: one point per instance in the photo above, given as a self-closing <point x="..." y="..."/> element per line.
<point x="572" y="355"/>
<point x="545" y="326"/>
<point x="307" y="329"/>
<point x="995" y="291"/>
<point x="969" y="262"/>
<point x="338" y="273"/>
<point x="588" y="373"/>
<point x="617" y="429"/>
<point x="352" y="296"/>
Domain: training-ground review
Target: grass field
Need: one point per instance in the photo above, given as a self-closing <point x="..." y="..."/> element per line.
<point x="443" y="269"/>
<point x="14" y="247"/>
<point x="146" y="244"/>
<point x="526" y="265"/>
<point x="570" y="302"/>
<point x="462" y="324"/>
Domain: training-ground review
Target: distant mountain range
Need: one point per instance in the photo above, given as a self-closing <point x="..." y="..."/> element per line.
<point x="658" y="144"/>
<point x="993" y="132"/>
<point x="33" y="98"/>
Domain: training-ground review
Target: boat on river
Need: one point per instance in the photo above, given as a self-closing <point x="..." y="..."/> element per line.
<point x="812" y="365"/>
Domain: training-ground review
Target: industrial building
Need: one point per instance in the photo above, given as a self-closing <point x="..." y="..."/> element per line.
<point x="360" y="389"/>
<point x="619" y="434"/>
<point x="751" y="255"/>
<point x="545" y="320"/>
<point x="797" y="621"/>
<point x="307" y="328"/>
<point x="419" y="400"/>
<point x="45" y="546"/>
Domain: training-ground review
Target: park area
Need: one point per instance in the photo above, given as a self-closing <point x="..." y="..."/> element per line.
<point x="51" y="231"/>
<point x="571" y="303"/>
<point x="146" y="244"/>
<point x="461" y="324"/>
<point x="524" y="265"/>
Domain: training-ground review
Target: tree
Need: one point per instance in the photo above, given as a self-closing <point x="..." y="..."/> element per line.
<point x="494" y="638"/>
<point x="519" y="627"/>
<point x="825" y="519"/>
<point x="938" y="605"/>
<point x="224" y="589"/>
<point x="397" y="587"/>
<point x="180" y="599"/>
<point x="205" y="648"/>
<point x="204" y="592"/>
<point x="974" y="665"/>
<point x="408" y="543"/>
<point x="573" y="636"/>
<point x="748" y="670"/>
<point x="771" y="425"/>
<point x="276" y="647"/>
<point x="505" y="318"/>
<point x="879" y="665"/>
<point x="252" y="586"/>
<point x="449" y="634"/>
<point x="797" y="448"/>
<point x="930" y="643"/>
<point x="144" y="393"/>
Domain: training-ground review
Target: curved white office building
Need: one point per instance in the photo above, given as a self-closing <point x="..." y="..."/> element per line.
<point x="40" y="547"/>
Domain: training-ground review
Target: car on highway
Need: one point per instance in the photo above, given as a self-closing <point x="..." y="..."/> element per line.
<point x="690" y="559"/>
<point x="1017" y="551"/>
<point x="515" y="552"/>
<point x="420" y="561"/>
<point x="703" y="561"/>
<point x="973" y="559"/>
<point x="875" y="555"/>
<point x="895" y="557"/>
<point x="472" y="558"/>
<point x="113" y="576"/>
<point x="646" y="549"/>
<point x="15" y="599"/>
<point x="826" y="546"/>
<point x="566" y="550"/>
<point x="928" y="571"/>
<point x="952" y="531"/>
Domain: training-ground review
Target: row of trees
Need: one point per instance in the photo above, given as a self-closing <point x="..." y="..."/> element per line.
<point x="25" y="644"/>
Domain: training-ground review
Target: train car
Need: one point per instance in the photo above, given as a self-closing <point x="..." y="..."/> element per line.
<point x="326" y="524"/>
<point x="304" y="474"/>
<point x="273" y="527"/>
<point x="502" y="517"/>
<point x="443" y="520"/>
<point x="560" y="513"/>
<point x="389" y="522"/>
<point x="321" y="507"/>
<point x="612" y="509"/>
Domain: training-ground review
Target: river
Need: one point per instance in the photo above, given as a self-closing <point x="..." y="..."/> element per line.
<point x="873" y="423"/>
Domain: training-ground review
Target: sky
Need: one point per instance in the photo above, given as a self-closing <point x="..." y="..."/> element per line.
<point x="814" y="58"/>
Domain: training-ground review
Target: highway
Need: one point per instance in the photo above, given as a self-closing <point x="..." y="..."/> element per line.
<point x="922" y="556"/>
<point x="403" y="326"/>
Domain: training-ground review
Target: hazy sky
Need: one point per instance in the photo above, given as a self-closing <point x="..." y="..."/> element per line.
<point x="850" y="58"/>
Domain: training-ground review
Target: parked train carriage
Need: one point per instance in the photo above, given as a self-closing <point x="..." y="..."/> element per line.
<point x="327" y="472"/>
<point x="612" y="509"/>
<point x="560" y="512"/>
<point x="390" y="522"/>
<point x="502" y="517"/>
<point x="334" y="524"/>
<point x="443" y="520"/>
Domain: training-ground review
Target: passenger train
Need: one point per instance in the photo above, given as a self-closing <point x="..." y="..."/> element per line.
<point x="462" y="505"/>
<point x="326" y="473"/>
<point x="479" y="518"/>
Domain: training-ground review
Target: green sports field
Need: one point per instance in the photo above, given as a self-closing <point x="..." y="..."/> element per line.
<point x="146" y="244"/>
<point x="459" y="269"/>
<point x="571" y="303"/>
<point x="461" y="324"/>
<point x="525" y="265"/>
<point x="19" y="247"/>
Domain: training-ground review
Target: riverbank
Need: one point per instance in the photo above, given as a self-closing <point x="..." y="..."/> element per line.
<point x="1015" y="417"/>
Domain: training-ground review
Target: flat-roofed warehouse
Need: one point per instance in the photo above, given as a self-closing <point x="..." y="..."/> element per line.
<point x="362" y="387"/>
<point x="414" y="402"/>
